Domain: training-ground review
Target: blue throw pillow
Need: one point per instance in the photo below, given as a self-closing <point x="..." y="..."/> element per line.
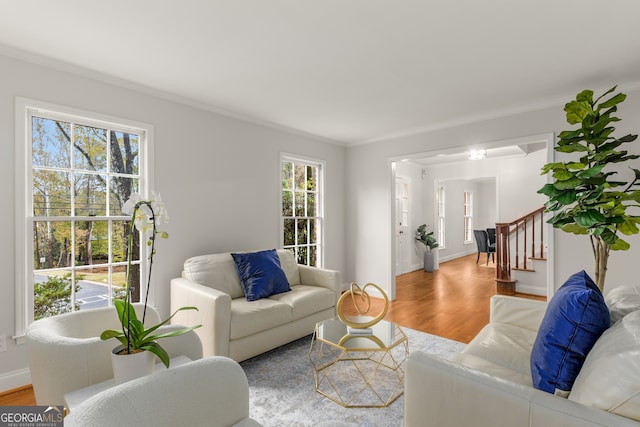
<point x="575" y="318"/>
<point x="260" y="274"/>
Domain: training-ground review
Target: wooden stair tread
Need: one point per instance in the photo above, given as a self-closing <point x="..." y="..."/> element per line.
<point x="523" y="269"/>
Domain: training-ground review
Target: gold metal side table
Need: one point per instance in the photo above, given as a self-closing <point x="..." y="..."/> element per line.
<point x="359" y="370"/>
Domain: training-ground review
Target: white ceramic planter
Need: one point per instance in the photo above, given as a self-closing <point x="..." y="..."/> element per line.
<point x="127" y="367"/>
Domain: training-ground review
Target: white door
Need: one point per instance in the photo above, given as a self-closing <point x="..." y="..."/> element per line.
<point x="404" y="238"/>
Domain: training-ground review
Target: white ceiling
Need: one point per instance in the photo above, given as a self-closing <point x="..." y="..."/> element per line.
<point x="352" y="71"/>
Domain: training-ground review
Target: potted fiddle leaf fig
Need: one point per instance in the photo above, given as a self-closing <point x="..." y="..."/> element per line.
<point x="587" y="196"/>
<point x="137" y="341"/>
<point x="430" y="243"/>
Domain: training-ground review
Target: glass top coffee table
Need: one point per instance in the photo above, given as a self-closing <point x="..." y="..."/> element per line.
<point x="356" y="368"/>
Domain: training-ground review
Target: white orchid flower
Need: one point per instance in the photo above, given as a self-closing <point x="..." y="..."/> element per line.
<point x="144" y="218"/>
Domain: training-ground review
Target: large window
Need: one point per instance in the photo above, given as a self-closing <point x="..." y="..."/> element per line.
<point x="468" y="217"/>
<point x="301" y="213"/>
<point x="79" y="171"/>
<point x="441" y="218"/>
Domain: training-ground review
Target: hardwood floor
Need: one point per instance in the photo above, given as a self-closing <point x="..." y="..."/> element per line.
<point x="452" y="302"/>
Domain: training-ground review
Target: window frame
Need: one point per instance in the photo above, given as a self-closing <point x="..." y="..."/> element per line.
<point x="467" y="212"/>
<point x="320" y="164"/>
<point x="25" y="110"/>
<point x="441" y="216"/>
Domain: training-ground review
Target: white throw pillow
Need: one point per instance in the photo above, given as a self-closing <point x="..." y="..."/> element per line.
<point x="622" y="301"/>
<point x="610" y="376"/>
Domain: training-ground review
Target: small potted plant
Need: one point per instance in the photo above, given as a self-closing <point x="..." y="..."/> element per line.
<point x="430" y="243"/>
<point x="137" y="340"/>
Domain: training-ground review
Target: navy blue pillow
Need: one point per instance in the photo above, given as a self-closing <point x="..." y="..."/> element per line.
<point x="260" y="274"/>
<point x="575" y="318"/>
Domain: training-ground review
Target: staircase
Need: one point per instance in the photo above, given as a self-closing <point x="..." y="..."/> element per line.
<point x="519" y="245"/>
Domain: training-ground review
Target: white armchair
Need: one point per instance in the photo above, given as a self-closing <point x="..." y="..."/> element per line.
<point x="66" y="352"/>
<point x="208" y="392"/>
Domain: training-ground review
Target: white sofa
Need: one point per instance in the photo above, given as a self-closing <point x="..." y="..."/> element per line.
<point x="489" y="383"/>
<point x="240" y="329"/>
<point x="67" y="354"/>
<point x="209" y="392"/>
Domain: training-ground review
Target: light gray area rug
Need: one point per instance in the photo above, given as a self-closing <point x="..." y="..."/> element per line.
<point x="282" y="392"/>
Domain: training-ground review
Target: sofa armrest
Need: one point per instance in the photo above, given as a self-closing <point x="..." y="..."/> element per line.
<point x="442" y="393"/>
<point x="214" y="314"/>
<point x="325" y="278"/>
<point x="212" y="391"/>
<point x="521" y="312"/>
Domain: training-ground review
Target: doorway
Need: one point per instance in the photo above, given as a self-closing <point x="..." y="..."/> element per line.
<point x="403" y="237"/>
<point x="514" y="164"/>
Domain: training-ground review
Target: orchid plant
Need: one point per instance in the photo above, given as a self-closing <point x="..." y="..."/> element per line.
<point x="146" y="216"/>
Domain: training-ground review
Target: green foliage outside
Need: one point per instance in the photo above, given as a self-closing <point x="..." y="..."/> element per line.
<point x="586" y="196"/>
<point x="54" y="296"/>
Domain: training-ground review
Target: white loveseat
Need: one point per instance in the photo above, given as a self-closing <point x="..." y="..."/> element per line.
<point x="490" y="384"/>
<point x="240" y="329"/>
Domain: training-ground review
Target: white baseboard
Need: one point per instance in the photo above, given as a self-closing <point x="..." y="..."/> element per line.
<point x="530" y="289"/>
<point x="15" y="379"/>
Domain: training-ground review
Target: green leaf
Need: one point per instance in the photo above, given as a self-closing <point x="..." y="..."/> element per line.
<point x="585" y="96"/>
<point x="551" y="166"/>
<point x="567" y="197"/>
<point x="575" y="229"/>
<point x="628" y="227"/>
<point x="562" y="174"/>
<point x="613" y="101"/>
<point x="588" y="173"/>
<point x="571" y="148"/>
<point x="568" y="184"/>
<point x="619" y="245"/>
<point x="575" y="166"/>
<point x="577" y="111"/>
<point x="549" y="190"/>
<point x="589" y="218"/>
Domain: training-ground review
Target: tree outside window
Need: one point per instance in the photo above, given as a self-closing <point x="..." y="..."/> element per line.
<point x="301" y="210"/>
<point x="81" y="175"/>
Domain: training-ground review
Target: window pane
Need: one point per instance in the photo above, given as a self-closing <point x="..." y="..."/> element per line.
<point x="287" y="175"/>
<point x="90" y="197"/>
<point x="311" y="178"/>
<point x="120" y="189"/>
<point x="300" y="211"/>
<point x="289" y="232"/>
<point x="90" y="148"/>
<point x="313" y="238"/>
<point x="92" y="242"/>
<point x="125" y="148"/>
<point x="50" y="144"/>
<point x="51" y="244"/>
<point x="302" y="255"/>
<point x="51" y="193"/>
<point x="287" y="203"/>
<point x="300" y="177"/>
<point x="302" y="226"/>
<point x="94" y="287"/>
<point x="313" y="256"/>
<point x="311" y="204"/>
<point x="53" y="293"/>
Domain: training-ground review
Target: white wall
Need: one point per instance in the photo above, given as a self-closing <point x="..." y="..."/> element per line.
<point x="219" y="178"/>
<point x="368" y="257"/>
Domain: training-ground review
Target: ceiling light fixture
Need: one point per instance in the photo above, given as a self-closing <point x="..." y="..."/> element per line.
<point x="477" y="154"/>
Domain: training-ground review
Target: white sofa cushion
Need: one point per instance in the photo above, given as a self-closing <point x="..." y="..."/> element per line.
<point x="251" y="317"/>
<point x="217" y="271"/>
<point x="501" y="350"/>
<point x="622" y="301"/>
<point x="305" y="300"/>
<point x="610" y="376"/>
